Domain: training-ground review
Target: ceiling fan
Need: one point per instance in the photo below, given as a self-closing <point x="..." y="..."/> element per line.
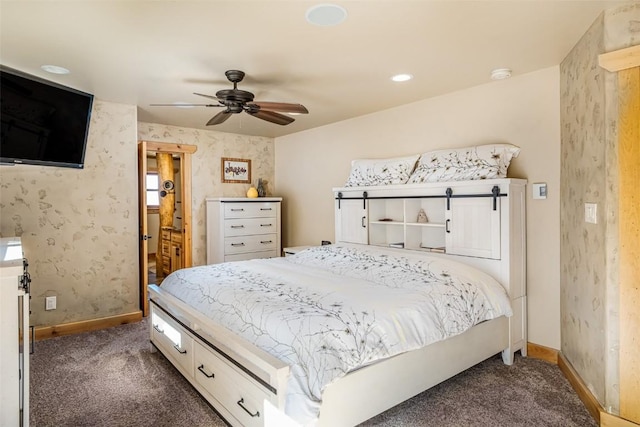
<point x="235" y="101"/>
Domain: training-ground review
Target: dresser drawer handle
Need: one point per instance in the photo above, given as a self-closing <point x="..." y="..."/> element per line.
<point x="181" y="351"/>
<point x="158" y="329"/>
<point x="266" y="209"/>
<point x="240" y="403"/>
<point x="237" y="244"/>
<point x="264" y="242"/>
<point x="237" y="226"/>
<point x="266" y="225"/>
<point x="201" y="369"/>
<point x="237" y="210"/>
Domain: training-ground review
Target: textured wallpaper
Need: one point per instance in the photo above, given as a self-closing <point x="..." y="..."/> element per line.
<point x="79" y="227"/>
<point x="206" y="164"/>
<point x="589" y="285"/>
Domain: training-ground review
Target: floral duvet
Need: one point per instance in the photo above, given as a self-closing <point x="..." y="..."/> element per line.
<point x="331" y="309"/>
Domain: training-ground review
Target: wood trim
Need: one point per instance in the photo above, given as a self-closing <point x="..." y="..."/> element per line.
<point x="538" y="351"/>
<point x="629" y="239"/>
<point x="187" y="238"/>
<point x="45" y="332"/>
<point x="166" y="147"/>
<point x="609" y="420"/>
<point x="589" y="400"/>
<point x="602" y="417"/>
<point x="620" y="59"/>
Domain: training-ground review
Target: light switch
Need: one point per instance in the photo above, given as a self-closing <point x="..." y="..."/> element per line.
<point x="539" y="190"/>
<point x="591" y="213"/>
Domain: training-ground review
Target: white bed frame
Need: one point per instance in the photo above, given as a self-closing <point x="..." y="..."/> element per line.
<point x="375" y="388"/>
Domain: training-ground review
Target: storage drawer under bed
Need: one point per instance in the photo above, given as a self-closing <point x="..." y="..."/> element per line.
<point x="241" y="396"/>
<point x="173" y="340"/>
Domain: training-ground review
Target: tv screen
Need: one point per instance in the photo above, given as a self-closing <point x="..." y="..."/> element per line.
<point x="43" y="123"/>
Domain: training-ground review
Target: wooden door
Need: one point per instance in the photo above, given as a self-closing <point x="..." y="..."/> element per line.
<point x="184" y="153"/>
<point x="143" y="233"/>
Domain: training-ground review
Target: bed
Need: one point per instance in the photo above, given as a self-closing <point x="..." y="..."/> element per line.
<point x="337" y="334"/>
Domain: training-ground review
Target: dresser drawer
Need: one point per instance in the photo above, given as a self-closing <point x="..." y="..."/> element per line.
<point x="176" y="237"/>
<point x="250" y="210"/>
<point x="251" y="255"/>
<point x="243" y="227"/>
<point x="255" y="243"/>
<point x="172" y="339"/>
<point x="240" y="395"/>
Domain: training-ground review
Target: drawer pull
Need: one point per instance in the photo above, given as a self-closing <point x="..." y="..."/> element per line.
<point x="201" y="369"/>
<point x="266" y="241"/>
<point x="158" y="329"/>
<point x="240" y="403"/>
<point x="237" y="210"/>
<point x="237" y="226"/>
<point x="237" y="244"/>
<point x="181" y="351"/>
<point x="265" y="209"/>
<point x="266" y="225"/>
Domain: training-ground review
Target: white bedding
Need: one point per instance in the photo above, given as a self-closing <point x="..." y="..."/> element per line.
<point x="331" y="309"/>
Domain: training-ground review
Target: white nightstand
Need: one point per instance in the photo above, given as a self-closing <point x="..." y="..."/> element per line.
<point x="294" y="250"/>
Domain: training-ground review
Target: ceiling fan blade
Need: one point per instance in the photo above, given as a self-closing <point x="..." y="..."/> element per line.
<point x="282" y="107"/>
<point x="184" y="105"/>
<point x="271" y="116"/>
<point x="206" y="96"/>
<point x="219" y="118"/>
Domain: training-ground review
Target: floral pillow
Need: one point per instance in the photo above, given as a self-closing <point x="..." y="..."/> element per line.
<point x="368" y="172"/>
<point x="461" y="164"/>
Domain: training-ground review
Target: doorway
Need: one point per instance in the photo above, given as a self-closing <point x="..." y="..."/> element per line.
<point x="164" y="184"/>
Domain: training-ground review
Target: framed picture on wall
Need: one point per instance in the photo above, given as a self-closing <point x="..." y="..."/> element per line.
<point x="236" y="170"/>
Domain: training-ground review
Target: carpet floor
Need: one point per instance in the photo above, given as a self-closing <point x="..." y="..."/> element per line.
<point x="111" y="378"/>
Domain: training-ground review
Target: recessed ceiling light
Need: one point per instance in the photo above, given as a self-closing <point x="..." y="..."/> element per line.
<point x="401" y="77"/>
<point x="326" y="15"/>
<point x="54" y="69"/>
<point x="500" y="73"/>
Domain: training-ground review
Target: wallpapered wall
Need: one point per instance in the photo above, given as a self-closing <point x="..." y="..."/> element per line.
<point x="589" y="286"/>
<point x="80" y="226"/>
<point x="206" y="168"/>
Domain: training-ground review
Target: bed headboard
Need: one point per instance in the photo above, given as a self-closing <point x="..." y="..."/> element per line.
<point x="480" y="223"/>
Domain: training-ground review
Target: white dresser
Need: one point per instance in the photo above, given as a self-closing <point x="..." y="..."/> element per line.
<point x="242" y="228"/>
<point x="14" y="336"/>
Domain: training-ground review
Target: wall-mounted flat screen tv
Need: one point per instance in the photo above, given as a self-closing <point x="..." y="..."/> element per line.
<point x="43" y="123"/>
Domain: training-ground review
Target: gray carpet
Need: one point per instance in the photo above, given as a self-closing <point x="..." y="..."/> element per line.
<point x="110" y="378"/>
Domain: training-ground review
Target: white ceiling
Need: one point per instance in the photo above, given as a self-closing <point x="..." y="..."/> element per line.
<point x="144" y="52"/>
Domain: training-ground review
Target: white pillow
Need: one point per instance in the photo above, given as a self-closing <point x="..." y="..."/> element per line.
<point x="367" y="172"/>
<point x="462" y="164"/>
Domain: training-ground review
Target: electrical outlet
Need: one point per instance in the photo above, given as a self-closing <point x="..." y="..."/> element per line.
<point x="50" y="303"/>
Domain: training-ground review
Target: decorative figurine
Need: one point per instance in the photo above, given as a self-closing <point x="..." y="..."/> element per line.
<point x="261" y="190"/>
<point x="422" y="216"/>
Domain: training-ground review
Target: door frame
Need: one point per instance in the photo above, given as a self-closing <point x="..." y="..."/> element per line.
<point x="183" y="152"/>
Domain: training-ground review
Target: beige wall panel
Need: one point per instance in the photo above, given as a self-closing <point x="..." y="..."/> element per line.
<point x="523" y="110"/>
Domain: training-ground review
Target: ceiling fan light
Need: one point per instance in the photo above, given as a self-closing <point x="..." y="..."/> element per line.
<point x="326" y="15"/>
<point x="500" y="73"/>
